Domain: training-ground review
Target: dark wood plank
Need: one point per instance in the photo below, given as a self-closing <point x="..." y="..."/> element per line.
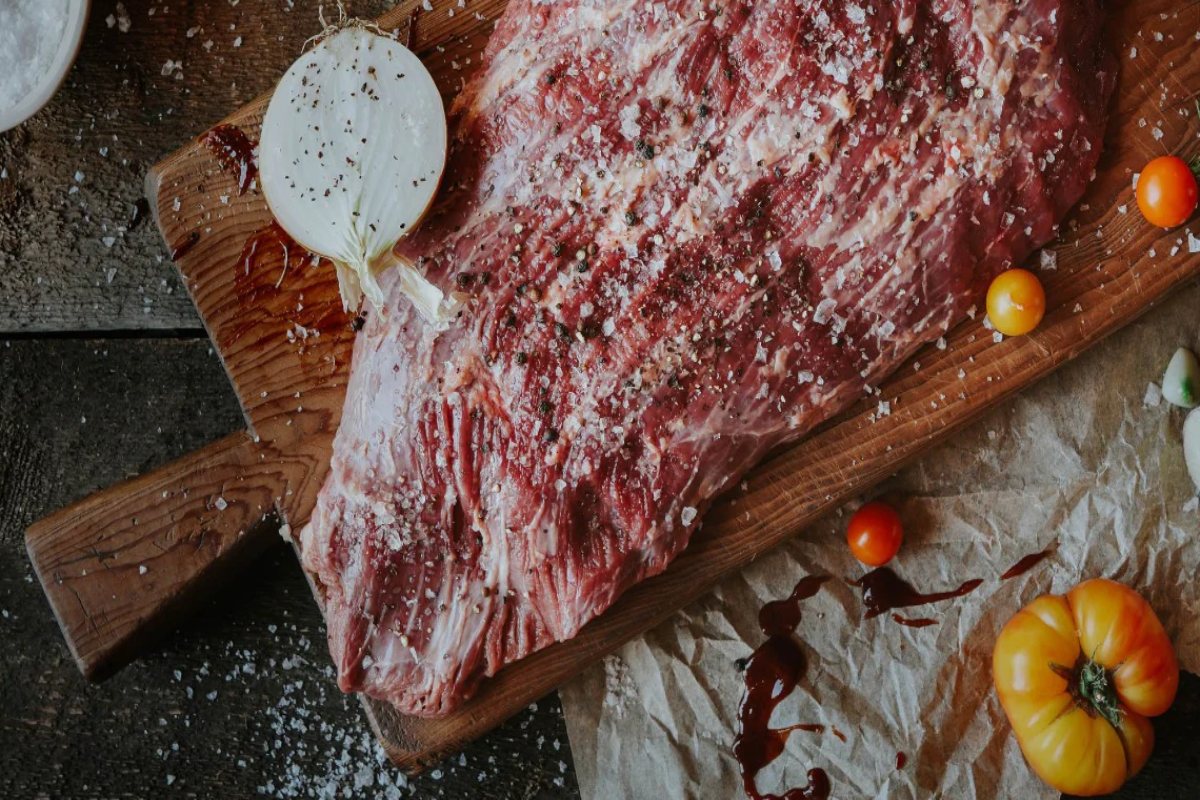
<point x="116" y="580"/>
<point x="1111" y="268"/>
<point x="61" y="737"/>
<point x="79" y="415"/>
<point x="90" y="557"/>
<point x="56" y="728"/>
<point x="250" y="318"/>
<point x="116" y="115"/>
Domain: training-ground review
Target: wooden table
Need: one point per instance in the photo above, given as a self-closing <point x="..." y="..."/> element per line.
<point x="105" y="372"/>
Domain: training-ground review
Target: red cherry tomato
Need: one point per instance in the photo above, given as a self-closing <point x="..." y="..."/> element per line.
<point x="1166" y="192"/>
<point x="875" y="534"/>
<point x="1016" y="302"/>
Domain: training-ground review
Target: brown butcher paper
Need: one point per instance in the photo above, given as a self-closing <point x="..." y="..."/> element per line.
<point x="1089" y="462"/>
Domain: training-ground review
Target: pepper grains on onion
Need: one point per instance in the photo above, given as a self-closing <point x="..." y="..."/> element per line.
<point x="353" y="148"/>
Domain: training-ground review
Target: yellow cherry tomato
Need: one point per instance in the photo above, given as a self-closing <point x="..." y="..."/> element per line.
<point x="1166" y="192"/>
<point x="1016" y="302"/>
<point x="1078" y="675"/>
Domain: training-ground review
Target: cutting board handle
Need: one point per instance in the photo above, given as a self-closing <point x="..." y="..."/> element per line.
<point x="122" y="565"/>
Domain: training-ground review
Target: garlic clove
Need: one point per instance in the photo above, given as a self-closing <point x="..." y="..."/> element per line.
<point x="352" y="151"/>
<point x="1182" y="380"/>
<point x="1191" y="446"/>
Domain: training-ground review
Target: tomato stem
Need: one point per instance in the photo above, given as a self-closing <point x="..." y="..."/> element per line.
<point x="1097" y="688"/>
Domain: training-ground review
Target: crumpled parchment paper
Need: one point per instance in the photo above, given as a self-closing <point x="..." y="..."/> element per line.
<point x="1089" y="460"/>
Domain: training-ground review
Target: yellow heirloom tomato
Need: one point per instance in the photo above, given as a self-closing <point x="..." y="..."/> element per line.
<point x="1078" y="675"/>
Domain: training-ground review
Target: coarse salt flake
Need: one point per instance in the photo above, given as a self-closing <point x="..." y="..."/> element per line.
<point x="824" y="311"/>
<point x="1154" y="396"/>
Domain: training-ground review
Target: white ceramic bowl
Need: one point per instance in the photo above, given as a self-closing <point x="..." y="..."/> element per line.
<point x="47" y="84"/>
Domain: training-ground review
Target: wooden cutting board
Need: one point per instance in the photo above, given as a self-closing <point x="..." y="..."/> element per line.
<point x="128" y="562"/>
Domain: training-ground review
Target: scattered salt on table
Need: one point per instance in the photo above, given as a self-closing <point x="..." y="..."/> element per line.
<point x="1153" y="397"/>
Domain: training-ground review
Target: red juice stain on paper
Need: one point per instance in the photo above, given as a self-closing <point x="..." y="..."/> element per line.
<point x="1029" y="562"/>
<point x="884" y="590"/>
<point x="772" y="672"/>
<point x="809" y="727"/>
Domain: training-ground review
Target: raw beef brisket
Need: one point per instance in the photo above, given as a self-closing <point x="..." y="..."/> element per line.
<point x="688" y="232"/>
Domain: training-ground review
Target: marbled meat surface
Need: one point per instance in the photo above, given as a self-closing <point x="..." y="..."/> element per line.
<point x="688" y="231"/>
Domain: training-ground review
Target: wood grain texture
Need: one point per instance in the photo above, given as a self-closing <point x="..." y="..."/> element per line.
<point x="121" y="566"/>
<point x="74" y="253"/>
<point x="250" y="309"/>
<point x="235" y="704"/>
<point x="1110" y="268"/>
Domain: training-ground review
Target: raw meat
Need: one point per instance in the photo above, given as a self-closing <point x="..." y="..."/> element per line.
<point x="690" y="231"/>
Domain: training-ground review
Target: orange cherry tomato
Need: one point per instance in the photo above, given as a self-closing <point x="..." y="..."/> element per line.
<point x="1078" y="675"/>
<point x="1016" y="302"/>
<point x="875" y="534"/>
<point x="1166" y="192"/>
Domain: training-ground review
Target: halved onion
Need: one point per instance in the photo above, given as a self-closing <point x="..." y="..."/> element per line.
<point x="353" y="148"/>
<point x="1191" y="446"/>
